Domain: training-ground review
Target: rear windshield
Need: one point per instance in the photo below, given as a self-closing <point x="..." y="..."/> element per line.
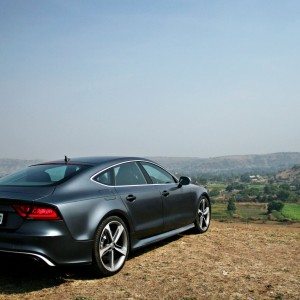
<point x="42" y="175"/>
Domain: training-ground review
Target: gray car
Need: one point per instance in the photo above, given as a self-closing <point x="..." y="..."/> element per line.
<point x="94" y="210"/>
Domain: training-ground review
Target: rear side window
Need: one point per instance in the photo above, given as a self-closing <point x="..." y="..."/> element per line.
<point x="105" y="177"/>
<point x="157" y="174"/>
<point x="42" y="175"/>
<point x="123" y="174"/>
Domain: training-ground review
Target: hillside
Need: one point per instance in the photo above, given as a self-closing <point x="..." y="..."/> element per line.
<point x="8" y="166"/>
<point x="191" y="166"/>
<point x="236" y="164"/>
<point x="291" y="174"/>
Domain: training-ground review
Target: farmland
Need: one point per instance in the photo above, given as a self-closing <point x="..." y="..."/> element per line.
<point x="292" y="211"/>
<point x="256" y="212"/>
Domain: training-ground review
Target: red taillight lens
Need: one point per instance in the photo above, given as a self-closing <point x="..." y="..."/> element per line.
<point x="36" y="212"/>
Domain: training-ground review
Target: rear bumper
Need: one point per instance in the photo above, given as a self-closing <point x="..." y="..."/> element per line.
<point x="47" y="241"/>
<point x="33" y="255"/>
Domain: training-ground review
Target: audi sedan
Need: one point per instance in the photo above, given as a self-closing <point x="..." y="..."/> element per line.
<point x="96" y="210"/>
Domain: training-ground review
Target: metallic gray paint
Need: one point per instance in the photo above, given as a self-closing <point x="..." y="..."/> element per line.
<point x="84" y="204"/>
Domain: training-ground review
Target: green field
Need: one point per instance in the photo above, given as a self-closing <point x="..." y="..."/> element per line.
<point x="217" y="185"/>
<point x="291" y="211"/>
<point x="255" y="211"/>
<point x="256" y="186"/>
<point x="219" y="211"/>
<point x="244" y="211"/>
<point x="251" y="211"/>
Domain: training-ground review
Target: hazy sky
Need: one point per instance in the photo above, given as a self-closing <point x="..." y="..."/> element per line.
<point x="149" y="78"/>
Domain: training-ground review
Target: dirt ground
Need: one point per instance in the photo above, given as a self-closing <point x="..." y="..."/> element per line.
<point x="231" y="261"/>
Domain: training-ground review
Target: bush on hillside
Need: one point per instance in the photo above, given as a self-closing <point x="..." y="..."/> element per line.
<point x="275" y="205"/>
<point x="231" y="205"/>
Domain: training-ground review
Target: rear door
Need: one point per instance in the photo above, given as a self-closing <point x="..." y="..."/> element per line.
<point x="143" y="200"/>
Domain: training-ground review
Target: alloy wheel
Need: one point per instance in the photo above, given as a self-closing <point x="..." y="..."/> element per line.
<point x="113" y="246"/>
<point x="204" y="214"/>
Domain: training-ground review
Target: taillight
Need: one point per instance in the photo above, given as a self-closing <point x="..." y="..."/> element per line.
<point x="36" y="212"/>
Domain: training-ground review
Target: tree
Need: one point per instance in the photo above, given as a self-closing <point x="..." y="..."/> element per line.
<point x="245" y="178"/>
<point x="268" y="189"/>
<point x="283" y="194"/>
<point x="275" y="205"/>
<point x="284" y="187"/>
<point x="214" y="192"/>
<point x="231" y="205"/>
<point x="229" y="188"/>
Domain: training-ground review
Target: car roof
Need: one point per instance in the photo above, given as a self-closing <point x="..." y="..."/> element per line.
<point x="96" y="160"/>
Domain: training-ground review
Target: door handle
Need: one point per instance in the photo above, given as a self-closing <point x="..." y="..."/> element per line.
<point x="130" y="198"/>
<point x="165" y="193"/>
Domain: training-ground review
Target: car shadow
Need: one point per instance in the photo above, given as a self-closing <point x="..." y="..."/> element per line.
<point x="156" y="245"/>
<point x="21" y="275"/>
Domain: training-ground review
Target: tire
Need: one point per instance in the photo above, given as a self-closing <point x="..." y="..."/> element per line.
<point x="203" y="215"/>
<point x="111" y="246"/>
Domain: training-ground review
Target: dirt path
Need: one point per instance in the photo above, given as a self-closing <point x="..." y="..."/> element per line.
<point x="231" y="261"/>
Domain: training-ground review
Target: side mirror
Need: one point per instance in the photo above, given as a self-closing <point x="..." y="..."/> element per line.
<point x="183" y="180"/>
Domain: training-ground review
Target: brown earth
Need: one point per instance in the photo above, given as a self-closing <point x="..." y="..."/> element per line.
<point x="231" y="261"/>
<point x="289" y="174"/>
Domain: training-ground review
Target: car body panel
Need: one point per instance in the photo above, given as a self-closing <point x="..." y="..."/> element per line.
<point x="146" y="211"/>
<point x="177" y="212"/>
<point x="52" y="241"/>
<point x="83" y="204"/>
<point x="25" y="193"/>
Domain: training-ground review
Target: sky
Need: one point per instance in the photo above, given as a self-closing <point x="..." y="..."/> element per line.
<point x="149" y="78"/>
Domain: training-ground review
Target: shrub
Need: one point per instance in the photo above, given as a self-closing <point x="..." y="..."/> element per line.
<point x="214" y="192"/>
<point x="275" y="205"/>
<point x="231" y="205"/>
<point x="283" y="194"/>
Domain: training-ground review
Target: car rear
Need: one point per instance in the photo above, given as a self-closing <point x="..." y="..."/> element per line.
<point x="30" y="224"/>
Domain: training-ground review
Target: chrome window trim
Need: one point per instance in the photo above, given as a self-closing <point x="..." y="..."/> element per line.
<point x="127" y="161"/>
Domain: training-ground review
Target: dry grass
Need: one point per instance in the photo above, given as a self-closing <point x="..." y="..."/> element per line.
<point x="231" y="261"/>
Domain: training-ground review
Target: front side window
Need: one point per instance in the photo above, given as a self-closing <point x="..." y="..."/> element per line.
<point x="42" y="175"/>
<point x="128" y="174"/>
<point x="157" y="174"/>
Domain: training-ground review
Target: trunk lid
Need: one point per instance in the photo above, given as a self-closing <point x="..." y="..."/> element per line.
<point x="9" y="219"/>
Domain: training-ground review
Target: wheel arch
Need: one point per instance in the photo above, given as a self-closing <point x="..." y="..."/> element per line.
<point x="205" y="194"/>
<point x="122" y="215"/>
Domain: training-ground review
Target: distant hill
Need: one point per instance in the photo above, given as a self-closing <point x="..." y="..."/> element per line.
<point x="292" y="174"/>
<point x="8" y="166"/>
<point x="236" y="164"/>
<point x="191" y="166"/>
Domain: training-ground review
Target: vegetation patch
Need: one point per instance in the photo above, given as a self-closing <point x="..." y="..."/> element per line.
<point x="255" y="211"/>
<point x="291" y="211"/>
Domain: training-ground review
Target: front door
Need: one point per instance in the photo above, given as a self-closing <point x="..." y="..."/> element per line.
<point x="177" y="206"/>
<point x="143" y="200"/>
